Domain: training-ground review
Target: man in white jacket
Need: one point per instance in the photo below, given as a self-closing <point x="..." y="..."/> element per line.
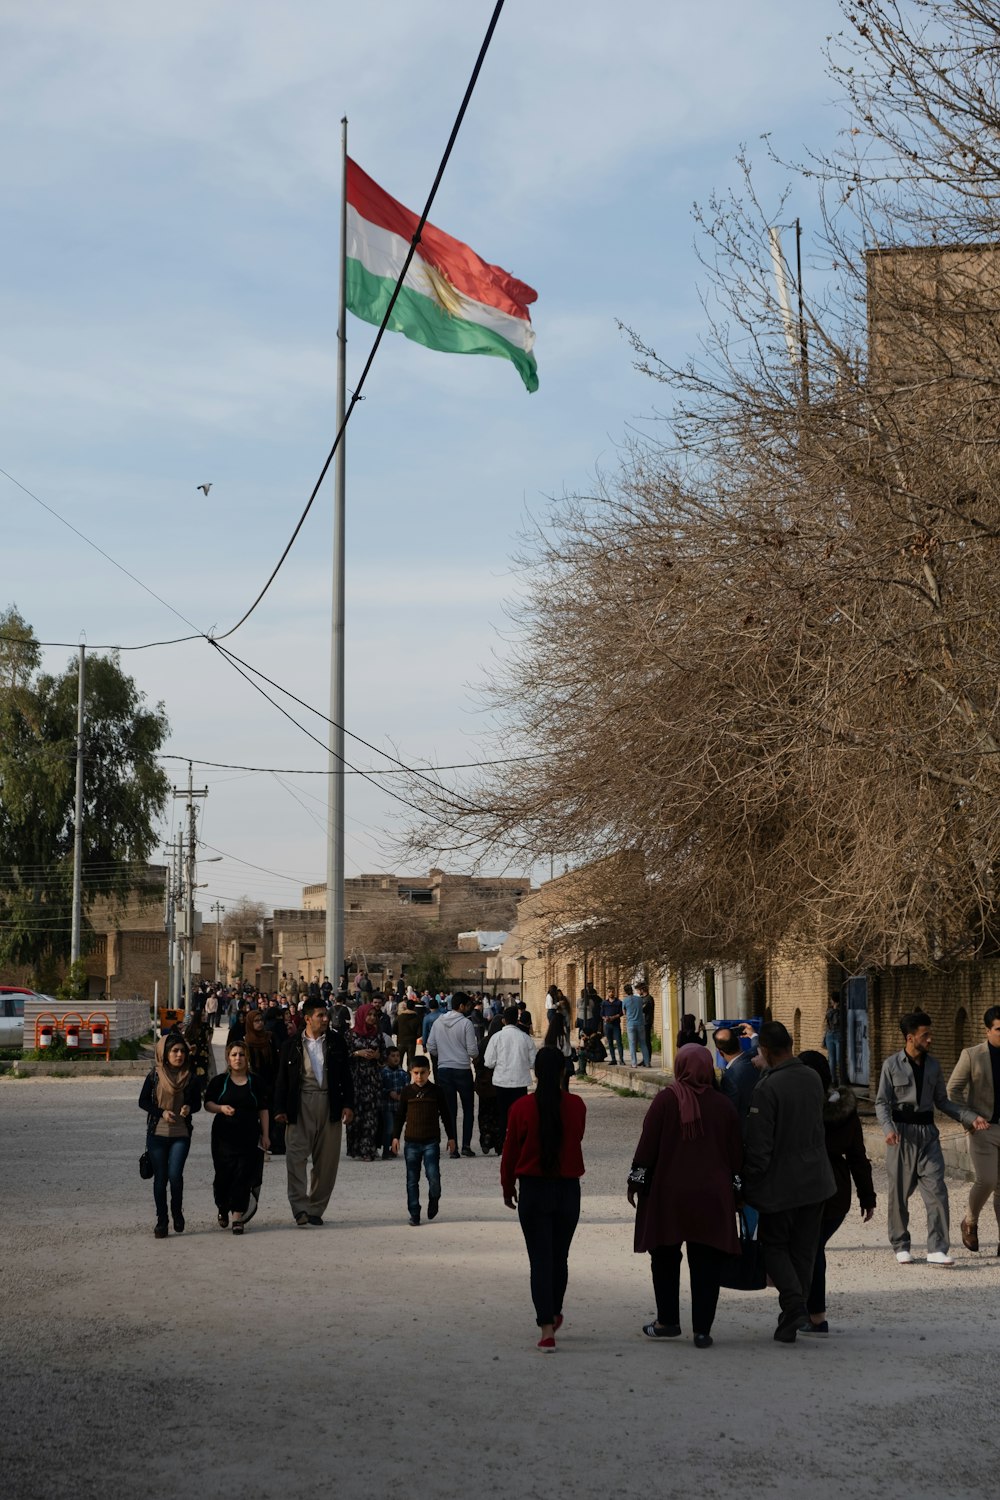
<point x="511" y="1055"/>
<point x="452" y="1042"/>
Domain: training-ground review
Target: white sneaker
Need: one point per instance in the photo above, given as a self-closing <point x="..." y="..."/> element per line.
<point x="904" y="1257"/>
<point x="939" y="1258"/>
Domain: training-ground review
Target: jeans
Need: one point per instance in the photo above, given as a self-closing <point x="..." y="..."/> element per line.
<point x="703" y="1269"/>
<point x="637" y="1041"/>
<point x="832" y="1044"/>
<point x="549" y="1211"/>
<point x="169" y="1153"/>
<point x="457" y="1084"/>
<point x="428" y="1155"/>
<point x="613" y="1037"/>
<point x="505" y="1098"/>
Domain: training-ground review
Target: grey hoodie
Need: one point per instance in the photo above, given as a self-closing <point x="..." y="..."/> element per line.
<point x="453" y="1041"/>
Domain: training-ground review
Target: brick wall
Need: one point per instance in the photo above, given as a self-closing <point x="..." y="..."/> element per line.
<point x="798" y="993"/>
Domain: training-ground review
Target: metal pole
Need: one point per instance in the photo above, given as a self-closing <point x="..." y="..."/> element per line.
<point x="170" y="922"/>
<point x="803" y="340"/>
<point x="77" y="915"/>
<point x="175" y="997"/>
<point x="334" y="959"/>
<point x="218" y="908"/>
<point x="189" y="881"/>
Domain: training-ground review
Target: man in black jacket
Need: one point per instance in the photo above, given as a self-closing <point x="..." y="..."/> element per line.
<point x="787" y="1175"/>
<point x="314" y="1093"/>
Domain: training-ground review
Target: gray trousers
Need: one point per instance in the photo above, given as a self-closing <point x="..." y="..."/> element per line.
<point x="984" y="1158"/>
<point x="917" y="1164"/>
<point x="314" y="1137"/>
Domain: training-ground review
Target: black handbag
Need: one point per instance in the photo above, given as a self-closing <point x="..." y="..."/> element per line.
<point x="744" y="1272"/>
<point x="145" y="1166"/>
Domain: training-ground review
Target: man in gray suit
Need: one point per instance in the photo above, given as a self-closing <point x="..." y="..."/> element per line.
<point x="975" y="1082"/>
<point x="910" y="1089"/>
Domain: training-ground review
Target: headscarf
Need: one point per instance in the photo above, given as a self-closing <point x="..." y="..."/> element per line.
<point x="171" y="1082"/>
<point x="361" y="1019"/>
<point x="258" y="1043"/>
<point x="693" y="1076"/>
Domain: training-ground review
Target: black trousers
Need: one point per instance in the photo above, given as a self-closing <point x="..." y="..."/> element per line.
<point x="549" y="1211"/>
<point x="790" y="1239"/>
<point x="816" y="1301"/>
<point x="703" y="1269"/>
<point x="505" y="1098"/>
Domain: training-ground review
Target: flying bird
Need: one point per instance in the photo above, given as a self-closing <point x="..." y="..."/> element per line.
<point x="204" y="489"/>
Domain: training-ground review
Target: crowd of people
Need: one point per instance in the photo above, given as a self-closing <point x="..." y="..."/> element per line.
<point x="748" y="1167"/>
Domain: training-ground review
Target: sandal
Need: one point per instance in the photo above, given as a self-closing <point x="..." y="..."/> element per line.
<point x="223" y="1221"/>
<point x="668" y="1331"/>
<point x="237" y="1226"/>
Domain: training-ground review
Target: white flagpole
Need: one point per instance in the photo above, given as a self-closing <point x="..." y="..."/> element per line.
<point x="335" y="832"/>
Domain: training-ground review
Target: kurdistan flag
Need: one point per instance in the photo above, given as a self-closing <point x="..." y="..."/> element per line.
<point x="451" y="299"/>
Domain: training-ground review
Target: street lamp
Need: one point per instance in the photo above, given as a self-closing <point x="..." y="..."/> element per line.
<point x="522" y="959"/>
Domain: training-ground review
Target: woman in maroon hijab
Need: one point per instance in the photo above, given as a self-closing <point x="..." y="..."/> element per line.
<point x="681" y="1185"/>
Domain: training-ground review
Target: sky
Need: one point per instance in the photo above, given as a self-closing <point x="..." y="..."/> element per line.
<point x="171" y="188"/>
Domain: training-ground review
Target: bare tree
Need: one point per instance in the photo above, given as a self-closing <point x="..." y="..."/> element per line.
<point x="760" y="663"/>
<point x="245" y="919"/>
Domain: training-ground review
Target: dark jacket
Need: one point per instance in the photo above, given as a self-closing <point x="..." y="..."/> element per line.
<point x="690" y="1196"/>
<point x="785" y="1164"/>
<point x="337" y="1073"/>
<point x="147" y="1099"/>
<point x="738" y="1082"/>
<point x="408" y="1024"/>
<point x="845" y="1146"/>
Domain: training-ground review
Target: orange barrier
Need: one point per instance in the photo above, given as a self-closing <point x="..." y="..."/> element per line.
<point x="100" y="1033"/>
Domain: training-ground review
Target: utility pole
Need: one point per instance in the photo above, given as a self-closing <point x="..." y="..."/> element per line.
<point x="218" y="908"/>
<point x="189" y="872"/>
<point x="177" y="889"/>
<point x="76" y="920"/>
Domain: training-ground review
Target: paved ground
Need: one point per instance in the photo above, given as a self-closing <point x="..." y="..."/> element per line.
<point x="367" y="1358"/>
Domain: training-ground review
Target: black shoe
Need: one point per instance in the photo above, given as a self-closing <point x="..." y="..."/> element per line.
<point x="662" y="1331"/>
<point x="703" y="1341"/>
<point x="178" y="1223"/>
<point x="415" y="1219"/>
<point x="432" y="1208"/>
<point x="302" y="1220"/>
<point x="455" y="1155"/>
<point x="160" y="1231"/>
<point x="467" y="1151"/>
<point x="814" y="1330"/>
<point x="314" y="1219"/>
<point x="785" y="1333"/>
<point x="223" y="1221"/>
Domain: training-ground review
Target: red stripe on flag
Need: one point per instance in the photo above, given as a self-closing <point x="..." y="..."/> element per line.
<point x="466" y="270"/>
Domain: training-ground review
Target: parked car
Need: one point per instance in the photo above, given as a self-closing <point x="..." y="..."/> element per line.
<point x="12" y="1001"/>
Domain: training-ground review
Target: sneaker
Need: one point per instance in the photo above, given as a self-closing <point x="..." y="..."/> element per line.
<point x="904" y="1257"/>
<point x="666" y="1331"/>
<point x="467" y="1151"/>
<point x="302" y="1220"/>
<point x="415" y="1220"/>
<point x="970" y="1235"/>
<point x="814" y="1330"/>
<point x="432" y="1208"/>
<point x="939" y="1258"/>
<point x="547" y="1346"/>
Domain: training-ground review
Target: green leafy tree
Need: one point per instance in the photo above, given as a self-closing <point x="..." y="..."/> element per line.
<point x="124" y="793"/>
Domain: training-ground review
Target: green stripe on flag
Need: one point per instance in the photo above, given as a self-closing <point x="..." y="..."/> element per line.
<point x="426" y="322"/>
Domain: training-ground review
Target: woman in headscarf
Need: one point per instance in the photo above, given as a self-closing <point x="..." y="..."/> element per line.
<point x="366" y="1045"/>
<point x="170" y="1095"/>
<point x="239" y="1136"/>
<point x="681" y="1185"/>
<point x="540" y="1175"/>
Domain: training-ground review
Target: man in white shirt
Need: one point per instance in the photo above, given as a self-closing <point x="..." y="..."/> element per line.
<point x="511" y="1055"/>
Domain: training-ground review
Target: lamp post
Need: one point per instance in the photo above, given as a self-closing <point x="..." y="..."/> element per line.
<point x="522" y="959"/>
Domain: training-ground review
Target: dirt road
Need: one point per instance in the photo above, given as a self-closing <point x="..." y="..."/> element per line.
<point x="367" y="1358"/>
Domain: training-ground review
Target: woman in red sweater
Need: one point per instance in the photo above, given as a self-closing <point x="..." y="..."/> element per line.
<point x="540" y="1174"/>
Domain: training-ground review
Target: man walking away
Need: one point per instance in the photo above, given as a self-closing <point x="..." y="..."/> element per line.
<point x="787" y="1175"/>
<point x="314" y="1094"/>
<point x="635" y="1028"/>
<point x="976" y="1082"/>
<point x="510" y="1052"/>
<point x="452" y="1043"/>
<point x="910" y="1089"/>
